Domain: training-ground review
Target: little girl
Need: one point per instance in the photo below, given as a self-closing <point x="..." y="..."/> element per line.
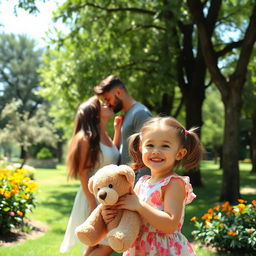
<point x="161" y="145"/>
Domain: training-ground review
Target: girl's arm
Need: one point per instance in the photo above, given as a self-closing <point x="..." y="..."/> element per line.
<point x="165" y="221"/>
<point x="117" y="130"/>
<point x="84" y="174"/>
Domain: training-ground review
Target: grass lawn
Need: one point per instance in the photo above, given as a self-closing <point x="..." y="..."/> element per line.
<point x="56" y="195"/>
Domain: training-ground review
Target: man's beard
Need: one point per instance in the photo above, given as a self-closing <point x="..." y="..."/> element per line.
<point x="118" y="105"/>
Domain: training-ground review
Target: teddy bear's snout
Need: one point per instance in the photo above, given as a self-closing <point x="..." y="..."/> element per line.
<point x="102" y="195"/>
<point x="107" y="196"/>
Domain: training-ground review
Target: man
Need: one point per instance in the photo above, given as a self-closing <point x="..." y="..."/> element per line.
<point x="116" y="96"/>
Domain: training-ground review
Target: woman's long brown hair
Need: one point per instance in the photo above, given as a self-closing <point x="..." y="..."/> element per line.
<point x="86" y="127"/>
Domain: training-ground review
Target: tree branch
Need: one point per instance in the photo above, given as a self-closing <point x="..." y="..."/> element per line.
<point x="130" y="9"/>
<point x="246" y="50"/>
<point x="209" y="53"/>
<point x="141" y="26"/>
<point x="229" y="47"/>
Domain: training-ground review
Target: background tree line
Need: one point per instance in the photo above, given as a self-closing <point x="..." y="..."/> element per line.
<point x="172" y="56"/>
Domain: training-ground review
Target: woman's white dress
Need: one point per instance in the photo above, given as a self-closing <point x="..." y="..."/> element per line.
<point x="109" y="155"/>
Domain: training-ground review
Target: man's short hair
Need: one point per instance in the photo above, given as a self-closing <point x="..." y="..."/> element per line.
<point x="108" y="83"/>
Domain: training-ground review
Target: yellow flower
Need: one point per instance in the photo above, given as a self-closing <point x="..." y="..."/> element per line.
<point x="31" y="186"/>
<point x="1" y="191"/>
<point x="241" y="207"/>
<point x="193" y="218"/>
<point x="7" y="194"/>
<point x="25" y="196"/>
<point x="221" y="225"/>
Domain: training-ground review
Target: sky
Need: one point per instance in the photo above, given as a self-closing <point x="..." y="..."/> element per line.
<point x="32" y="25"/>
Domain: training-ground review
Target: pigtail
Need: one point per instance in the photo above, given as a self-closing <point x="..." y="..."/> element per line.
<point x="194" y="150"/>
<point x="134" y="152"/>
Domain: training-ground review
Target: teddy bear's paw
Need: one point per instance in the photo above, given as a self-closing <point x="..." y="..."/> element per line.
<point x="116" y="242"/>
<point x="86" y="234"/>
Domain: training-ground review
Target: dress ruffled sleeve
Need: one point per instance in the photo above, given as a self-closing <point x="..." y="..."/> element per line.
<point x="190" y="196"/>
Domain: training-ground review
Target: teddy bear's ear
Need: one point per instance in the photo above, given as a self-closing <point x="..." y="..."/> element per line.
<point x="90" y="185"/>
<point x="127" y="172"/>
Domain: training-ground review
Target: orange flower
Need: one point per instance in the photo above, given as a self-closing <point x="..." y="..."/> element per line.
<point x="210" y="211"/>
<point x="20" y="213"/>
<point x="242" y="201"/>
<point x="217" y="207"/>
<point x="254" y="202"/>
<point x="232" y="233"/>
<point x="225" y="206"/>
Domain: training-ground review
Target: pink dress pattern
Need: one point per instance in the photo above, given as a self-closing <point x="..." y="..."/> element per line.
<point x="152" y="242"/>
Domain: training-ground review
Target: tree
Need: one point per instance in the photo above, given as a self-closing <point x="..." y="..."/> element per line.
<point x="249" y="110"/>
<point x="19" y="61"/>
<point x="230" y="87"/>
<point x="26" y="130"/>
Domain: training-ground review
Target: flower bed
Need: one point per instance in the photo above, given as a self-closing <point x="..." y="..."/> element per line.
<point x="228" y="228"/>
<point x="17" y="191"/>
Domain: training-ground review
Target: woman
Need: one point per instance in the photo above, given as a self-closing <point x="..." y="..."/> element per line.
<point x="90" y="148"/>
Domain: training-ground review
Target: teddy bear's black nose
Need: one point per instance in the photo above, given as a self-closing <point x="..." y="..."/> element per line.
<point x="103" y="195"/>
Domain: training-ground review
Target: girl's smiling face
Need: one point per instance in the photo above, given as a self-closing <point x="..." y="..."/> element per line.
<point x="161" y="148"/>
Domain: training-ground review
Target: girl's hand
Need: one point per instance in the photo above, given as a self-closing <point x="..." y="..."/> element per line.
<point x="108" y="213"/>
<point x="129" y="202"/>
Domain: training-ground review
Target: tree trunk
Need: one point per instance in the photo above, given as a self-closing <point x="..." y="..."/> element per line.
<point x="193" y="103"/>
<point x="253" y="143"/>
<point x="23" y="156"/>
<point x="231" y="179"/>
<point x="23" y="152"/>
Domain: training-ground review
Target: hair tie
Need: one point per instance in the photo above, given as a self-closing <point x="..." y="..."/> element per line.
<point x="186" y="132"/>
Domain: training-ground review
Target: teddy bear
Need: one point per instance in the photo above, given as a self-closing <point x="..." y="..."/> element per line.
<point x="108" y="184"/>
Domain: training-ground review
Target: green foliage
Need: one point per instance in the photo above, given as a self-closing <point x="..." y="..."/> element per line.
<point x="132" y="39"/>
<point x="17" y="197"/>
<point x="26" y="130"/>
<point x="228" y="228"/>
<point x="213" y="116"/>
<point x="44" y="153"/>
<point x="19" y="61"/>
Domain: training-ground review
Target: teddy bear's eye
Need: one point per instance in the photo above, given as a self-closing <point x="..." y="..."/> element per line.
<point x="98" y="189"/>
<point x="110" y="186"/>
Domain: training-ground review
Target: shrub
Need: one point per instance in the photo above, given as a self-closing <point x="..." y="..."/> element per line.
<point x="44" y="153"/>
<point x="228" y="228"/>
<point x="17" y="192"/>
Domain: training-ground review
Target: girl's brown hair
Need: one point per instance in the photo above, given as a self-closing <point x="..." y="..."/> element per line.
<point x="188" y="139"/>
<point x="86" y="128"/>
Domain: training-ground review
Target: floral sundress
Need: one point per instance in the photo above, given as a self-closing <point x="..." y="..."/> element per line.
<point x="152" y="242"/>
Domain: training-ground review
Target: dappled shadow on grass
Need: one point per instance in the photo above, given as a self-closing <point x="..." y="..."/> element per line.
<point x="61" y="200"/>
